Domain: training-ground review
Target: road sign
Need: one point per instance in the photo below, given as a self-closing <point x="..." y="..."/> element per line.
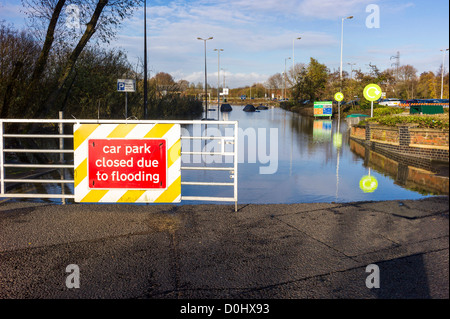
<point x="126" y="85"/>
<point x="372" y="92"/>
<point x="127" y="163"/>
<point x="339" y="96"/>
<point x="324" y="108"/>
<point x="368" y="184"/>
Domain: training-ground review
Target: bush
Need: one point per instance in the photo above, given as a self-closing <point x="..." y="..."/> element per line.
<point x="383" y="111"/>
<point x="423" y="121"/>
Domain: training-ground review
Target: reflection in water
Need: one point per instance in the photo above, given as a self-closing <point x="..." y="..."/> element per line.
<point x="409" y="173"/>
<point x="322" y="130"/>
<point x="315" y="162"/>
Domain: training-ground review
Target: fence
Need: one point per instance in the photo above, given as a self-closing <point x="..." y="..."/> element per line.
<point x="46" y="157"/>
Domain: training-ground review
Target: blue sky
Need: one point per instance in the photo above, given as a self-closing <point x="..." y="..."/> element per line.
<point x="257" y="36"/>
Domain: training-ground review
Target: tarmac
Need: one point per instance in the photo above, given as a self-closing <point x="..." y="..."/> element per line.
<point x="265" y="252"/>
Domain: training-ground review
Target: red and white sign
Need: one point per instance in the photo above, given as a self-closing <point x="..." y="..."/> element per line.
<point x="127" y="163"/>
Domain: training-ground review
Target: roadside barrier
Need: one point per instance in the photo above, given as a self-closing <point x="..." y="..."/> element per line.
<point x="49" y="158"/>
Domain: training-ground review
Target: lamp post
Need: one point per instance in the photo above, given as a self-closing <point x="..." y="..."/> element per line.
<point x="442" y="76"/>
<point x="218" y="79"/>
<point x="145" y="59"/>
<point x="340" y="69"/>
<point x="342" y="44"/>
<point x="284" y="97"/>
<point x="206" y="83"/>
<point x="293" y="57"/>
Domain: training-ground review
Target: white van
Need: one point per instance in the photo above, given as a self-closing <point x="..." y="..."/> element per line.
<point x="390" y="102"/>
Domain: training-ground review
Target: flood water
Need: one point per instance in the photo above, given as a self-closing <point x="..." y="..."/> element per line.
<point x="288" y="158"/>
<point x="311" y="167"/>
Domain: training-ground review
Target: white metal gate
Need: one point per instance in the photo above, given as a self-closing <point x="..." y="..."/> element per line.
<point x="16" y="144"/>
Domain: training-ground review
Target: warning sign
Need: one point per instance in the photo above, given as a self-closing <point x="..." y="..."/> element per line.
<point x="123" y="163"/>
<point x="127" y="163"/>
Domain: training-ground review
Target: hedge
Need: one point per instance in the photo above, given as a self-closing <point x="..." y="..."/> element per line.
<point x="422" y="121"/>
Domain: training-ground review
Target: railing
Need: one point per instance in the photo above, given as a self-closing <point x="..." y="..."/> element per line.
<point x="14" y="173"/>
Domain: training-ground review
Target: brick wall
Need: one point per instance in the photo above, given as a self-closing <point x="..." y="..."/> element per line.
<point x="406" y="140"/>
<point x="385" y="134"/>
<point x="429" y="137"/>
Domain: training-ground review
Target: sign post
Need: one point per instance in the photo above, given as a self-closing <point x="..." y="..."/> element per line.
<point x="126" y="85"/>
<point x="372" y="92"/>
<point x="339" y="96"/>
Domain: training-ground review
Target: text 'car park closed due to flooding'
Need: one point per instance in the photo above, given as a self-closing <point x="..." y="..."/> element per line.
<point x="127" y="163"/>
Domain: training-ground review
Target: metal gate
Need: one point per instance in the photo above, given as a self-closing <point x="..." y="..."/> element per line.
<point x="40" y="165"/>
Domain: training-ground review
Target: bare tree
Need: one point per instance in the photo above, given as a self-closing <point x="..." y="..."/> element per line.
<point x="101" y="17"/>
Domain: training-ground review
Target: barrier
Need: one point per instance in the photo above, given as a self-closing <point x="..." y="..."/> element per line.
<point x="66" y="171"/>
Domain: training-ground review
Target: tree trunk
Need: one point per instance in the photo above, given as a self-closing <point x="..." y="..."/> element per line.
<point x="9" y="89"/>
<point x="43" y="56"/>
<point x="90" y="30"/>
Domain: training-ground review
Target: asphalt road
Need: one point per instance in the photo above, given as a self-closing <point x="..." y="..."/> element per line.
<point x="300" y="251"/>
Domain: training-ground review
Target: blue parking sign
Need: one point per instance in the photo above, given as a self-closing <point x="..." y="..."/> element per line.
<point x="126" y="85"/>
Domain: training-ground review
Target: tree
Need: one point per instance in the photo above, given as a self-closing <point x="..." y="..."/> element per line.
<point x="18" y="55"/>
<point x="311" y="81"/>
<point x="99" y="16"/>
<point x="426" y="86"/>
<point x="407" y="82"/>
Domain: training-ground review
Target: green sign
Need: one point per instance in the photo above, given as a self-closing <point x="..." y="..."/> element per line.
<point x="339" y="96"/>
<point x="372" y="92"/>
<point x="368" y="184"/>
<point x="324" y="108"/>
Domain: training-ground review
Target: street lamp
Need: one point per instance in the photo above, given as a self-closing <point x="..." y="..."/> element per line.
<point x="145" y="59"/>
<point x="293" y="57"/>
<point x="443" y="68"/>
<point x="342" y="44"/>
<point x="218" y="79"/>
<point x="285" y="77"/>
<point x="206" y="83"/>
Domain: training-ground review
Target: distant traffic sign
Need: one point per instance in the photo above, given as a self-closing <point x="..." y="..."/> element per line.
<point x="372" y="92"/>
<point x="339" y="96"/>
<point x="126" y="85"/>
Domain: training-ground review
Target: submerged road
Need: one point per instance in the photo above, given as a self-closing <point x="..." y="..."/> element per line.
<point x="209" y="251"/>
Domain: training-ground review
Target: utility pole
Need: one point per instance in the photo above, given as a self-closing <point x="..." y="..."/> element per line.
<point x="206" y="80"/>
<point x="145" y="59"/>
<point x="442" y="75"/>
<point x="218" y="80"/>
<point x="396" y="64"/>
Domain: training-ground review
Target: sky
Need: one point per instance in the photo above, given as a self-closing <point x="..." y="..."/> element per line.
<point x="258" y="36"/>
